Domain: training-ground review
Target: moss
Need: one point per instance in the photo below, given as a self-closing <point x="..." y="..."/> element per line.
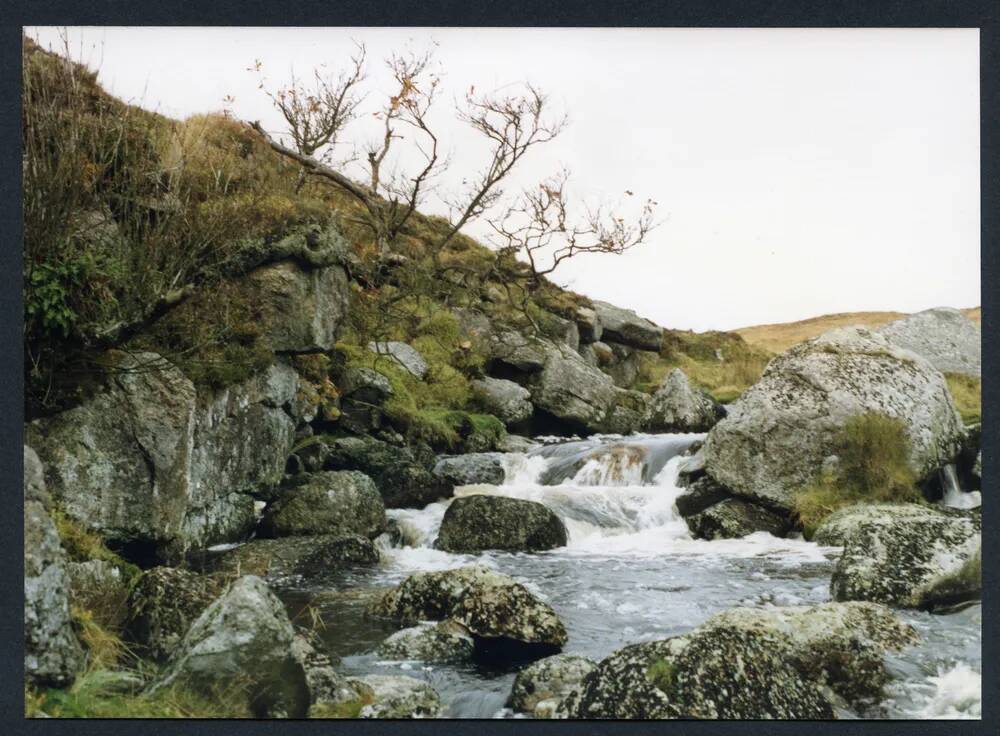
<point x="967" y="394"/>
<point x="661" y="674"/>
<point x="873" y="467"/>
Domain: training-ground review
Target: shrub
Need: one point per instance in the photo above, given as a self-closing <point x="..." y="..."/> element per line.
<point x="873" y="453"/>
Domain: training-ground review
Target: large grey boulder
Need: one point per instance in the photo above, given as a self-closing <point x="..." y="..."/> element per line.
<point x="507" y="401"/>
<point x="151" y="461"/>
<point x="678" y="407"/>
<point x="541" y="686"/>
<point x="407" y="356"/>
<point x="776" y="436"/>
<point x="908" y="556"/>
<point x="164" y="602"/>
<point x="945" y="337"/>
<point x="626" y="327"/>
<point x="477" y="523"/>
<point x="337" y="502"/>
<point x="504" y="619"/>
<point x="572" y="391"/>
<point x="471" y="468"/>
<point x="52" y="654"/>
<point x="748" y="664"/>
<point x="444" y="641"/>
<point x="244" y="637"/>
<point x="310" y="556"/>
<point x="522" y="353"/>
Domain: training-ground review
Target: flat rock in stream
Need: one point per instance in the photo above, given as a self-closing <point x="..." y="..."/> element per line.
<point x="477" y="523"/>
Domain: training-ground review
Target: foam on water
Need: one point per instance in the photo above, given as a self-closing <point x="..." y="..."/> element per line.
<point x="957" y="693"/>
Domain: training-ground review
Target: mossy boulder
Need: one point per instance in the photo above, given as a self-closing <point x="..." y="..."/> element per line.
<point x="776" y="437"/>
<point x="477" y="523"/>
<point x="908" y="556"/>
<point x="164" y="603"/>
<point x="732" y="518"/>
<point x="337" y="503"/>
<point x="505" y="620"/>
<point x="446" y="641"/>
<point x="390" y="696"/>
<point x="541" y="686"/>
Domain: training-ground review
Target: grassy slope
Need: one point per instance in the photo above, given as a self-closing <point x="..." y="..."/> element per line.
<point x="779" y="337"/>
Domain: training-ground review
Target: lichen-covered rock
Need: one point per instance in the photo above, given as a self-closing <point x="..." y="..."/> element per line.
<point x="445" y="641"/>
<point x="149" y="461"/>
<point x="748" y="664"/>
<point x="775" y="437"/>
<point x="504" y="619"/>
<point x="409" y="485"/>
<point x="472" y="468"/>
<point x="338" y="502"/>
<point x="407" y="356"/>
<point x="842" y="523"/>
<point x="949" y="340"/>
<point x="732" y="518"/>
<point x="625" y="365"/>
<point x="677" y="407"/>
<point x="325" y="686"/>
<point x="517" y="352"/>
<point x="626" y="327"/>
<point x="398" y="697"/>
<point x="52" y="654"/>
<point x="541" y="686"/>
<point x="507" y="401"/>
<point x="907" y="558"/>
<point x="477" y="523"/>
<point x="363" y="392"/>
<point x="100" y="588"/>
<point x="311" y="555"/>
<point x="34" y="479"/>
<point x="164" y="603"/>
<point x="243" y="637"/>
<point x="588" y="324"/>
<point x="572" y="391"/>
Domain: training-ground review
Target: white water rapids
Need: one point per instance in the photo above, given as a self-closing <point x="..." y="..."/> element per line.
<point x="632" y="572"/>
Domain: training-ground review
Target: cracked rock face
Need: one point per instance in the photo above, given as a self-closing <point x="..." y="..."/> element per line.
<point x="776" y="436"/>
<point x="909" y="556"/>
<point x="747" y="664"/>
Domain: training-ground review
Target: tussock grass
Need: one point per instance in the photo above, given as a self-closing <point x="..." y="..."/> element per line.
<point x="873" y="467"/>
<point x="967" y="391"/>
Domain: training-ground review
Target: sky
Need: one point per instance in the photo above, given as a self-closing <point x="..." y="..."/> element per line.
<point x="797" y="172"/>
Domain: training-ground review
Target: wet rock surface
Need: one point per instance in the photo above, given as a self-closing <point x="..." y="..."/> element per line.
<point x="476" y="523"/>
<point x="732" y="518"/>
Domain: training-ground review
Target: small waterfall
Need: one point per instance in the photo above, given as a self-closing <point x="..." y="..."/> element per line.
<point x="953" y="495"/>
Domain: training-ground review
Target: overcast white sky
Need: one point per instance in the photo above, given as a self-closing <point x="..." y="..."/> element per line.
<point x="799" y="172"/>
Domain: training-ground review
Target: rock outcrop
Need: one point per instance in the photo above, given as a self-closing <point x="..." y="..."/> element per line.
<point x="776" y="436"/>
<point x="677" y="407"/>
<point x="504" y="619"/>
<point x="945" y="337"/>
<point x="626" y="327"/>
<point x="748" y="664"/>
<point x="908" y="556"/>
<point x="507" y="401"/>
<point x="336" y="503"/>
<point x="541" y="686"/>
<point x="477" y="523"/>
<point x="406" y="356"/>
<point x="150" y="462"/>
<point x="472" y="468"/>
<point x="52" y="654"/>
<point x="244" y="638"/>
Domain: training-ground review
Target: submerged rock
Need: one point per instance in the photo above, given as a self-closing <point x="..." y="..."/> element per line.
<point x="52" y="654"/>
<point x="473" y="468"/>
<point x="747" y="664"/>
<point x="507" y="401"/>
<point x="677" y="407"/>
<point x="733" y="517"/>
<point x="504" y="619"/>
<point x="908" y="556"/>
<point x="310" y="555"/>
<point x="949" y="340"/>
<point x="408" y="357"/>
<point x="441" y="642"/>
<point x="477" y="523"/>
<point x="776" y="436"/>
<point x="244" y="638"/>
<point x="339" y="503"/>
<point x="541" y="686"/>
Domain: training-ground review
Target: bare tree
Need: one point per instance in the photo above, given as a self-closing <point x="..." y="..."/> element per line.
<point x="540" y="227"/>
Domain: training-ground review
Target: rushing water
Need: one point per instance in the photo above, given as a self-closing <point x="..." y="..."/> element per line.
<point x="630" y="572"/>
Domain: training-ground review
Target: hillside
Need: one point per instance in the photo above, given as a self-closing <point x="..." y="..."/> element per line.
<point x="779" y="337"/>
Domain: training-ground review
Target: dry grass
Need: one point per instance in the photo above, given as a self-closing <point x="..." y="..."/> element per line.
<point x="968" y="396"/>
<point x="777" y="338"/>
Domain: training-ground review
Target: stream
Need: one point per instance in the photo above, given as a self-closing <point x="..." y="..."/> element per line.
<point x="630" y="572"/>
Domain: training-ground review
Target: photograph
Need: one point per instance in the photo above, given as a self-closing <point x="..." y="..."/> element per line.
<point x="454" y="372"/>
